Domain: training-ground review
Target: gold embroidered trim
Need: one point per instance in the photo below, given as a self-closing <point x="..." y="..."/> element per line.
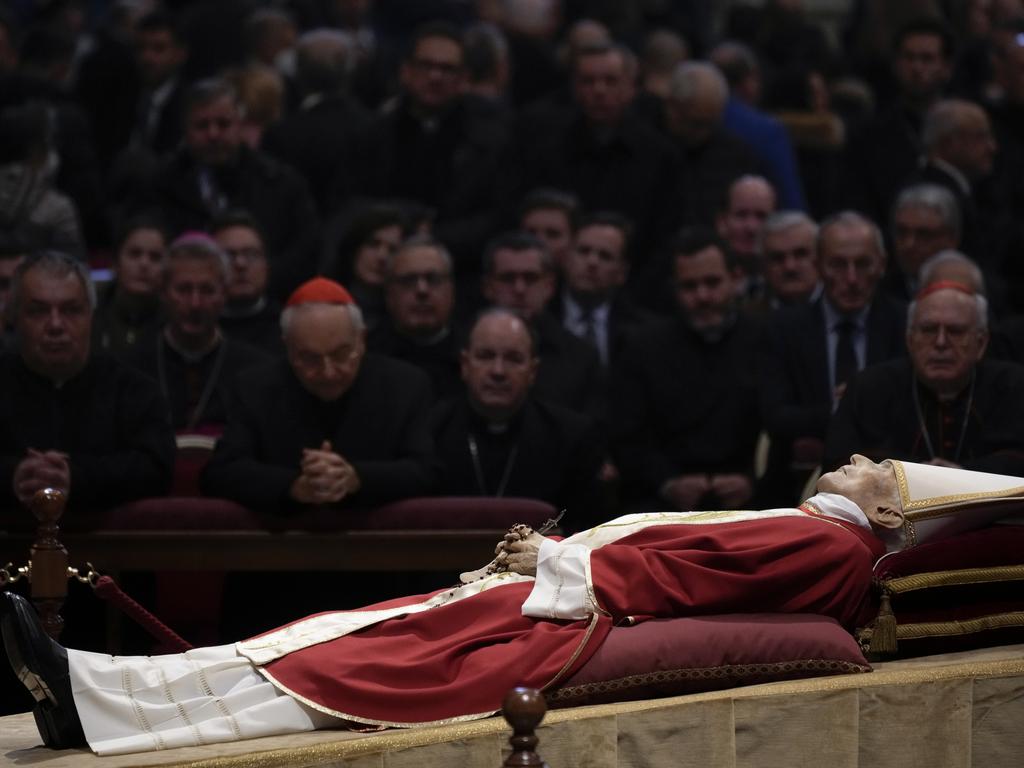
<point x="431" y="723"/>
<point x="345" y="746"/>
<point x="726" y="671"/>
<point x="901" y="584"/>
<point x="965" y="627"/>
<point x="366" y="720"/>
<point x="914" y="508"/>
<point x="576" y="654"/>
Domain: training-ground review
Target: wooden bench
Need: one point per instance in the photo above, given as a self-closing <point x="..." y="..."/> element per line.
<point x="203" y="535"/>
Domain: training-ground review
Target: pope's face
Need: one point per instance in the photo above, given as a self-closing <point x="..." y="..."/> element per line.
<point x="865" y="483"/>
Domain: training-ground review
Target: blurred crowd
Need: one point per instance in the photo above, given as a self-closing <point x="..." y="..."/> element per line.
<point x="611" y="255"/>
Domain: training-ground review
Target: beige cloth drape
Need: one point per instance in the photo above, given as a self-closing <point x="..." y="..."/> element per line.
<point x="957" y="711"/>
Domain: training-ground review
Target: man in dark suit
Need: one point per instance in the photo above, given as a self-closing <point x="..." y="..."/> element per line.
<point x="519" y="275"/>
<point x="884" y="151"/>
<point x="959" y="150"/>
<point x="434" y="146"/>
<point x="215" y="170"/>
<point x="925" y="221"/>
<point x="419" y="296"/>
<point x="712" y="158"/>
<point x="160" y="54"/>
<point x="814" y="349"/>
<point x="319" y="138"/>
<point x="331" y="425"/>
<point x="249" y="314"/>
<point x="684" y="392"/>
<point x="592" y="305"/>
<point x="601" y="152"/>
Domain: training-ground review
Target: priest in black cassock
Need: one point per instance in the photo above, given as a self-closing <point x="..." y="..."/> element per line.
<point x="498" y="439"/>
<point x="685" y="415"/>
<point x="331" y="427"/>
<point x="191" y="359"/>
<point x="71" y="420"/>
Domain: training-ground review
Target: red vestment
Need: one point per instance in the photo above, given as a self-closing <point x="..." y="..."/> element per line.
<point x="458" y="660"/>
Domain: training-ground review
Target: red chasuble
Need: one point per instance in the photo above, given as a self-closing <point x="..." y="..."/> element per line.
<point x="457" y="661"/>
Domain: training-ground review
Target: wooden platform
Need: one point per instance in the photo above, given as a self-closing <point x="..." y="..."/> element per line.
<point x="956" y="711"/>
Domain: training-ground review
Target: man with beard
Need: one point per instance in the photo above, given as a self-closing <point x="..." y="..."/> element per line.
<point x="685" y="415"/>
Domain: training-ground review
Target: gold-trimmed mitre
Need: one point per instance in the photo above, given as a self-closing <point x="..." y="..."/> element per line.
<point x="939" y="501"/>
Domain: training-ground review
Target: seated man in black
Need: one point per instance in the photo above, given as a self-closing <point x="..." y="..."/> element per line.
<point x="498" y="440"/>
<point x="190" y="358"/>
<point x="249" y="314"/>
<point x="419" y="296"/>
<point x="948" y="404"/>
<point x="69" y="420"/>
<point x="519" y="274"/>
<point x="684" y="392"/>
<point x="330" y="425"/>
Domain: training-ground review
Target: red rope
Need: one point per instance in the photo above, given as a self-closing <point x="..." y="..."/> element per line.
<point x="107" y="589"/>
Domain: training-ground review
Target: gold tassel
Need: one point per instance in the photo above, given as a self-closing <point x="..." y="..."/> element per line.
<point x="883" y="634"/>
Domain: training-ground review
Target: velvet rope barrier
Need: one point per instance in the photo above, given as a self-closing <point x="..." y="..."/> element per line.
<point x="107" y="588"/>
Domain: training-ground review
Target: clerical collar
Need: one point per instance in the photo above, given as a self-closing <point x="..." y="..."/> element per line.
<point x="426" y="341"/>
<point x="188" y="355"/>
<point x="841" y="508"/>
<point x="956" y="173"/>
<point x="245" y="310"/>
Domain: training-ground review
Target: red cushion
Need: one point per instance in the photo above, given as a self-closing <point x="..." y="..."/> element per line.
<point x="942" y="606"/>
<point x="671" y="657"/>
<point x="180" y="513"/>
<point x="983" y="548"/>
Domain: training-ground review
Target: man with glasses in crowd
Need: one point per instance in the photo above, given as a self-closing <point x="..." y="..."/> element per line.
<point x="329" y="426"/>
<point x="519" y="274"/>
<point x="419" y="298"/>
<point x="947" y="404"/>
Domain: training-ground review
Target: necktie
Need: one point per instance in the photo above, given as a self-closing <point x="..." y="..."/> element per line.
<point x="846" y="357"/>
<point x="588" y="324"/>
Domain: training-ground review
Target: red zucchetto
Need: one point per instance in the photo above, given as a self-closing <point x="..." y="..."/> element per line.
<point x="319" y="290"/>
<point x="943" y="285"/>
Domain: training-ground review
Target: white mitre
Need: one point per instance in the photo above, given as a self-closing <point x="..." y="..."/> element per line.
<point x="939" y="502"/>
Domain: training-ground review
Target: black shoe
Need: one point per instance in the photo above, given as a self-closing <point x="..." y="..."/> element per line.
<point x="42" y="666"/>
